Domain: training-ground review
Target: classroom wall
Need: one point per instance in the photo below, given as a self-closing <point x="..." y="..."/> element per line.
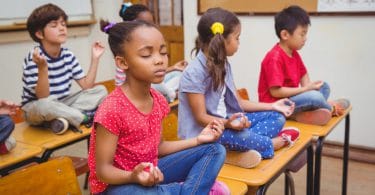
<point x="339" y="50"/>
<point x="12" y="54"/>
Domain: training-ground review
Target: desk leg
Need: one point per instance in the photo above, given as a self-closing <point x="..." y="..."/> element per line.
<point x="318" y="160"/>
<point x="310" y="170"/>
<point x="346" y="155"/>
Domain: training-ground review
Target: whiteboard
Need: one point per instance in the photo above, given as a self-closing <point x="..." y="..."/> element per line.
<point x="17" y="11"/>
<point x="346" y="5"/>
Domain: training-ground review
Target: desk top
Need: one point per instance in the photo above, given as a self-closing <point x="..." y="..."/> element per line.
<point x="45" y="138"/>
<point x="20" y="153"/>
<point x="318" y="130"/>
<point x="268" y="168"/>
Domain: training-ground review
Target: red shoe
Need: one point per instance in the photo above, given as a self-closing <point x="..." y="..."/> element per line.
<point x="290" y="135"/>
<point x="319" y="116"/>
<point x="339" y="106"/>
<point x="219" y="188"/>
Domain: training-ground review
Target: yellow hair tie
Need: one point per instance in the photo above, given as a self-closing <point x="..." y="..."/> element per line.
<point x="217" y="27"/>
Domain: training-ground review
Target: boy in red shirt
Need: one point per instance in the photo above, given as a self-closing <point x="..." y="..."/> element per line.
<point x="283" y="73"/>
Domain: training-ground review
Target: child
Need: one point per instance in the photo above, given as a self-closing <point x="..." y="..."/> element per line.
<point x="283" y="71"/>
<point x="48" y="72"/>
<point x="207" y="92"/>
<point x="7" y="142"/>
<point x="126" y="138"/>
<point x="169" y="86"/>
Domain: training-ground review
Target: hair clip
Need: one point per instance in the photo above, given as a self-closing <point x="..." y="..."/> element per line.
<point x="109" y="26"/>
<point x="125" y="6"/>
<point x="217" y="27"/>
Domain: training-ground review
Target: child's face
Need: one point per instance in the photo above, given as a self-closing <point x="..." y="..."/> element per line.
<point x="55" y="32"/>
<point x="146" y="56"/>
<point x="297" y="40"/>
<point x="233" y="41"/>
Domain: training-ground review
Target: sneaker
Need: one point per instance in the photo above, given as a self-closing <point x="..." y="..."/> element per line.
<point x="219" y="188"/>
<point x="339" y="106"/>
<point x="319" y="116"/>
<point x="7" y="145"/>
<point x="59" y="125"/>
<point x="248" y="159"/>
<point x="290" y="135"/>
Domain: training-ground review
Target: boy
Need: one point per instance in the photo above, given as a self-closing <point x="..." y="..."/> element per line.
<point x="7" y="142"/>
<point x="282" y="71"/>
<point x="48" y="72"/>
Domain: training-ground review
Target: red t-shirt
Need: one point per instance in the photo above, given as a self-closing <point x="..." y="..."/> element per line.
<point x="138" y="133"/>
<point x="279" y="70"/>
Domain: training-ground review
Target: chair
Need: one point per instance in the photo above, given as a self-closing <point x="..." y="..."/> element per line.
<point x="56" y="176"/>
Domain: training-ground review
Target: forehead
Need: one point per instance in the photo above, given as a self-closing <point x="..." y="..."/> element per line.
<point x="146" y="36"/>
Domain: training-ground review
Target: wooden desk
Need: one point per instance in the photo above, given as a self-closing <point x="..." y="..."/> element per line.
<point x="269" y="169"/>
<point x="46" y="139"/>
<point x="235" y="187"/>
<point x="21" y="155"/>
<point x="321" y="132"/>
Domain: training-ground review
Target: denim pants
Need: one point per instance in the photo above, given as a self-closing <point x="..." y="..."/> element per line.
<point x="312" y="100"/>
<point x="191" y="171"/>
<point x="264" y="126"/>
<point x="6" y="127"/>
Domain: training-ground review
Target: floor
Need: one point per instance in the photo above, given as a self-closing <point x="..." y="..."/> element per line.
<point x="361" y="176"/>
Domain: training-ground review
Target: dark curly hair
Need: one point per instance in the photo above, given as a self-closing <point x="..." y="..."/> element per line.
<point x="131" y="12"/>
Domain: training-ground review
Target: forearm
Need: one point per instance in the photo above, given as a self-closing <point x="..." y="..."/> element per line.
<point x="42" y="84"/>
<point x="286" y="92"/>
<point x="90" y="78"/>
<point x="250" y="106"/>
<point x="112" y="175"/>
<point x="170" y="147"/>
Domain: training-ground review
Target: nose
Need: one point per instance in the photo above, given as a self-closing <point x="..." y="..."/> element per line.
<point x="159" y="59"/>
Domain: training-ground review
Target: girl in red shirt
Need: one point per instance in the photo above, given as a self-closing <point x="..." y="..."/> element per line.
<point x="126" y="152"/>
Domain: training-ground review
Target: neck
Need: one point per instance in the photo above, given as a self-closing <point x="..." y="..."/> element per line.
<point x="53" y="50"/>
<point x="286" y="49"/>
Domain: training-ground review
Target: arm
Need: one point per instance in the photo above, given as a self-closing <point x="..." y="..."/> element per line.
<point x="7" y="107"/>
<point x="210" y="133"/>
<point x="180" y="66"/>
<point x="106" y="144"/>
<point x="285" y="106"/>
<point x="88" y="81"/>
<point x="42" y="84"/>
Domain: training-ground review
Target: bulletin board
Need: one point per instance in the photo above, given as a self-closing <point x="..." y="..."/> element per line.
<point x="14" y="13"/>
<point x="264" y="7"/>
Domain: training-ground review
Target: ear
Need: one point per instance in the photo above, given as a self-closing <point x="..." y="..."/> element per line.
<point x="284" y="34"/>
<point x="39" y="34"/>
<point x="121" y="63"/>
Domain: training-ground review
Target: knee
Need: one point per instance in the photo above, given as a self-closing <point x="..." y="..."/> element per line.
<point x="100" y="89"/>
<point x="7" y="123"/>
<point x="279" y="118"/>
<point x="316" y="96"/>
<point x="219" y="150"/>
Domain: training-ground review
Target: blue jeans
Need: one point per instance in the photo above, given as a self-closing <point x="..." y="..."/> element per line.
<point x="265" y="125"/>
<point x="312" y="100"/>
<point x="6" y="127"/>
<point x="196" y="167"/>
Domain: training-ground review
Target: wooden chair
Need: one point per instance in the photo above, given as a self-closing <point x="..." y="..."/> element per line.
<point x="52" y="177"/>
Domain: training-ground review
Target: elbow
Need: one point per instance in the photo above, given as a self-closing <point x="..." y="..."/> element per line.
<point x="275" y="92"/>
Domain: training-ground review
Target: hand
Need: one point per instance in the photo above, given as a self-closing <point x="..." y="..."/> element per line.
<point x="97" y="50"/>
<point x="180" y="66"/>
<point x="211" y="132"/>
<point x="147" y="174"/>
<point x="315" y="85"/>
<point x="7" y="107"/>
<point x="238" y="121"/>
<point x="285" y="106"/>
<point x="39" y="59"/>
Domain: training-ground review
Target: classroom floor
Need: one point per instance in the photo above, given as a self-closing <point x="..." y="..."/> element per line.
<point x="361" y="176"/>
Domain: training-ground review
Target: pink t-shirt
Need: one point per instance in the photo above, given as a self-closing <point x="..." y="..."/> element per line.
<point x="279" y="70"/>
<point x="138" y="133"/>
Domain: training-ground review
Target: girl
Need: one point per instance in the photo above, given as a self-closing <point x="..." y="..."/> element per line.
<point x="207" y="92"/>
<point x="125" y="141"/>
<point x="169" y="86"/>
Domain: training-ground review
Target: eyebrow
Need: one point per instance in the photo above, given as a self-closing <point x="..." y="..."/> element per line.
<point x="162" y="46"/>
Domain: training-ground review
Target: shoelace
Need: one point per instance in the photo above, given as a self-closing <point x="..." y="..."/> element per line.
<point x="288" y="139"/>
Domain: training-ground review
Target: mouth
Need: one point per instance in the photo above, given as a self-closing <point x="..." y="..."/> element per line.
<point x="160" y="72"/>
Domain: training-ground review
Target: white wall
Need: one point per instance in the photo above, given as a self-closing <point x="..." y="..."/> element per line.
<point x="12" y="54"/>
<point x="339" y="50"/>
